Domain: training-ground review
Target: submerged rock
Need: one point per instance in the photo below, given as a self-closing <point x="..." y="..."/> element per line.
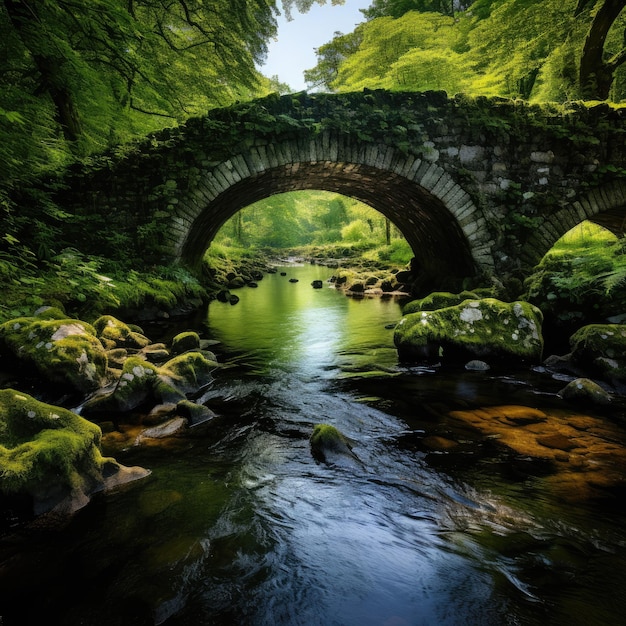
<point x="53" y="455"/>
<point x="330" y="445"/>
<point x="477" y="366"/>
<point x="479" y="328"/>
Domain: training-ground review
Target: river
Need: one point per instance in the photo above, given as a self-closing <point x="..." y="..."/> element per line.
<point x="447" y="515"/>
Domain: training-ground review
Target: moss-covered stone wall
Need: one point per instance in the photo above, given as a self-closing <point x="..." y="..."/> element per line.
<point x="475" y="185"/>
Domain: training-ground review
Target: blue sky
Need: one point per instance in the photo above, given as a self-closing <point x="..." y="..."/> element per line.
<point x="293" y="52"/>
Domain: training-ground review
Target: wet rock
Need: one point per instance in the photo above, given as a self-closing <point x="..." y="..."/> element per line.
<point x="116" y="357"/>
<point x="141" y="382"/>
<point x="585" y="391"/>
<point x="233" y="299"/>
<point x="111" y="329"/>
<point x="188" y="372"/>
<point x="196" y="414"/>
<point x="171" y="428"/>
<point x="480" y="328"/>
<point x="65" y="351"/>
<point x="293" y="280"/>
<point x="223" y="295"/>
<point x="558" y="441"/>
<point x="159" y="414"/>
<point x="317" y="284"/>
<point x="236" y="283"/>
<point x="185" y="341"/>
<point x="155" y="353"/>
<point x="477" y="366"/>
<point x="53" y="455"/>
<point x="329" y="445"/>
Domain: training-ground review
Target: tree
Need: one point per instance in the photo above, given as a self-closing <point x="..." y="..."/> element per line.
<point x="415" y="51"/>
<point x="597" y="69"/>
<point x="330" y="57"/>
<point x="397" y="8"/>
<point x="102" y="64"/>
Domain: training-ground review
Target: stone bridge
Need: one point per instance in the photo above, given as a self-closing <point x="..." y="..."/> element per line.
<point x="479" y="187"/>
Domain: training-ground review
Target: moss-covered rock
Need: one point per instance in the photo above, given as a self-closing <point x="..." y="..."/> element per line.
<point x="184" y="342"/>
<point x="187" y="372"/>
<point x="329" y="444"/>
<point x="141" y="382"/>
<point x="49" y="454"/>
<point x="585" y="391"/>
<point x="110" y="329"/>
<point x="474" y="328"/>
<point x="438" y="300"/>
<point x="601" y="348"/>
<point x="135" y="385"/>
<point x="64" y="351"/>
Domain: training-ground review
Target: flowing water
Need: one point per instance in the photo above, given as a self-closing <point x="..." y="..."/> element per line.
<point x="449" y="512"/>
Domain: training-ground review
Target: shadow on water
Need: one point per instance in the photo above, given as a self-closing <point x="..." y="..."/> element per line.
<point x="453" y="511"/>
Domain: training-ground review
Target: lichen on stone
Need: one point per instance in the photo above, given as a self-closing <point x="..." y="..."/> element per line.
<point x="486" y="327"/>
<point x="64" y="351"/>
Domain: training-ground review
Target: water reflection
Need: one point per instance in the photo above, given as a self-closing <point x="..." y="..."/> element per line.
<point x="441" y="523"/>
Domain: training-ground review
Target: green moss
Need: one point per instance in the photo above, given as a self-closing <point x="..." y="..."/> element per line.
<point x="601" y="348"/>
<point x="110" y="329"/>
<point x="51" y="313"/>
<point x="185" y="341"/>
<point x="438" y="300"/>
<point x="65" y="351"/>
<point x="42" y="443"/>
<point x="188" y="371"/>
<point x="595" y="340"/>
<point x="328" y="437"/>
<point x="477" y="327"/>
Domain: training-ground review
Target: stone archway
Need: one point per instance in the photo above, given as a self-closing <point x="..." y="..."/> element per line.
<point x="605" y="206"/>
<point x="447" y="232"/>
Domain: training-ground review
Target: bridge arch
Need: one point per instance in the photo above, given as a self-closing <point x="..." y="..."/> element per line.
<point x="446" y="231"/>
<point x="604" y="205"/>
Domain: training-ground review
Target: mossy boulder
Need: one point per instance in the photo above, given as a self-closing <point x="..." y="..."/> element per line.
<point x="601" y="349"/>
<point x="330" y="445"/>
<point x="115" y="333"/>
<point x="65" y="351"/>
<point x="50" y="454"/>
<point x="474" y="328"/>
<point x="187" y="372"/>
<point x="141" y="382"/>
<point x="184" y="342"/>
<point x="583" y="390"/>
<point x="438" y="300"/>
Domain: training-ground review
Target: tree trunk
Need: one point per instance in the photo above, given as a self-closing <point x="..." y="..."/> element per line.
<point x="596" y="75"/>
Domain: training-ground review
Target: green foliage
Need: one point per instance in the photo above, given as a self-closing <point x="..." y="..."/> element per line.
<point x="90" y="286"/>
<point x="300" y="218"/>
<point x="515" y="48"/>
<point x="584" y="275"/>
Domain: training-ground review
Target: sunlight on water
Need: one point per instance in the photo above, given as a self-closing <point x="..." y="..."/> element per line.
<point x="440" y="516"/>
